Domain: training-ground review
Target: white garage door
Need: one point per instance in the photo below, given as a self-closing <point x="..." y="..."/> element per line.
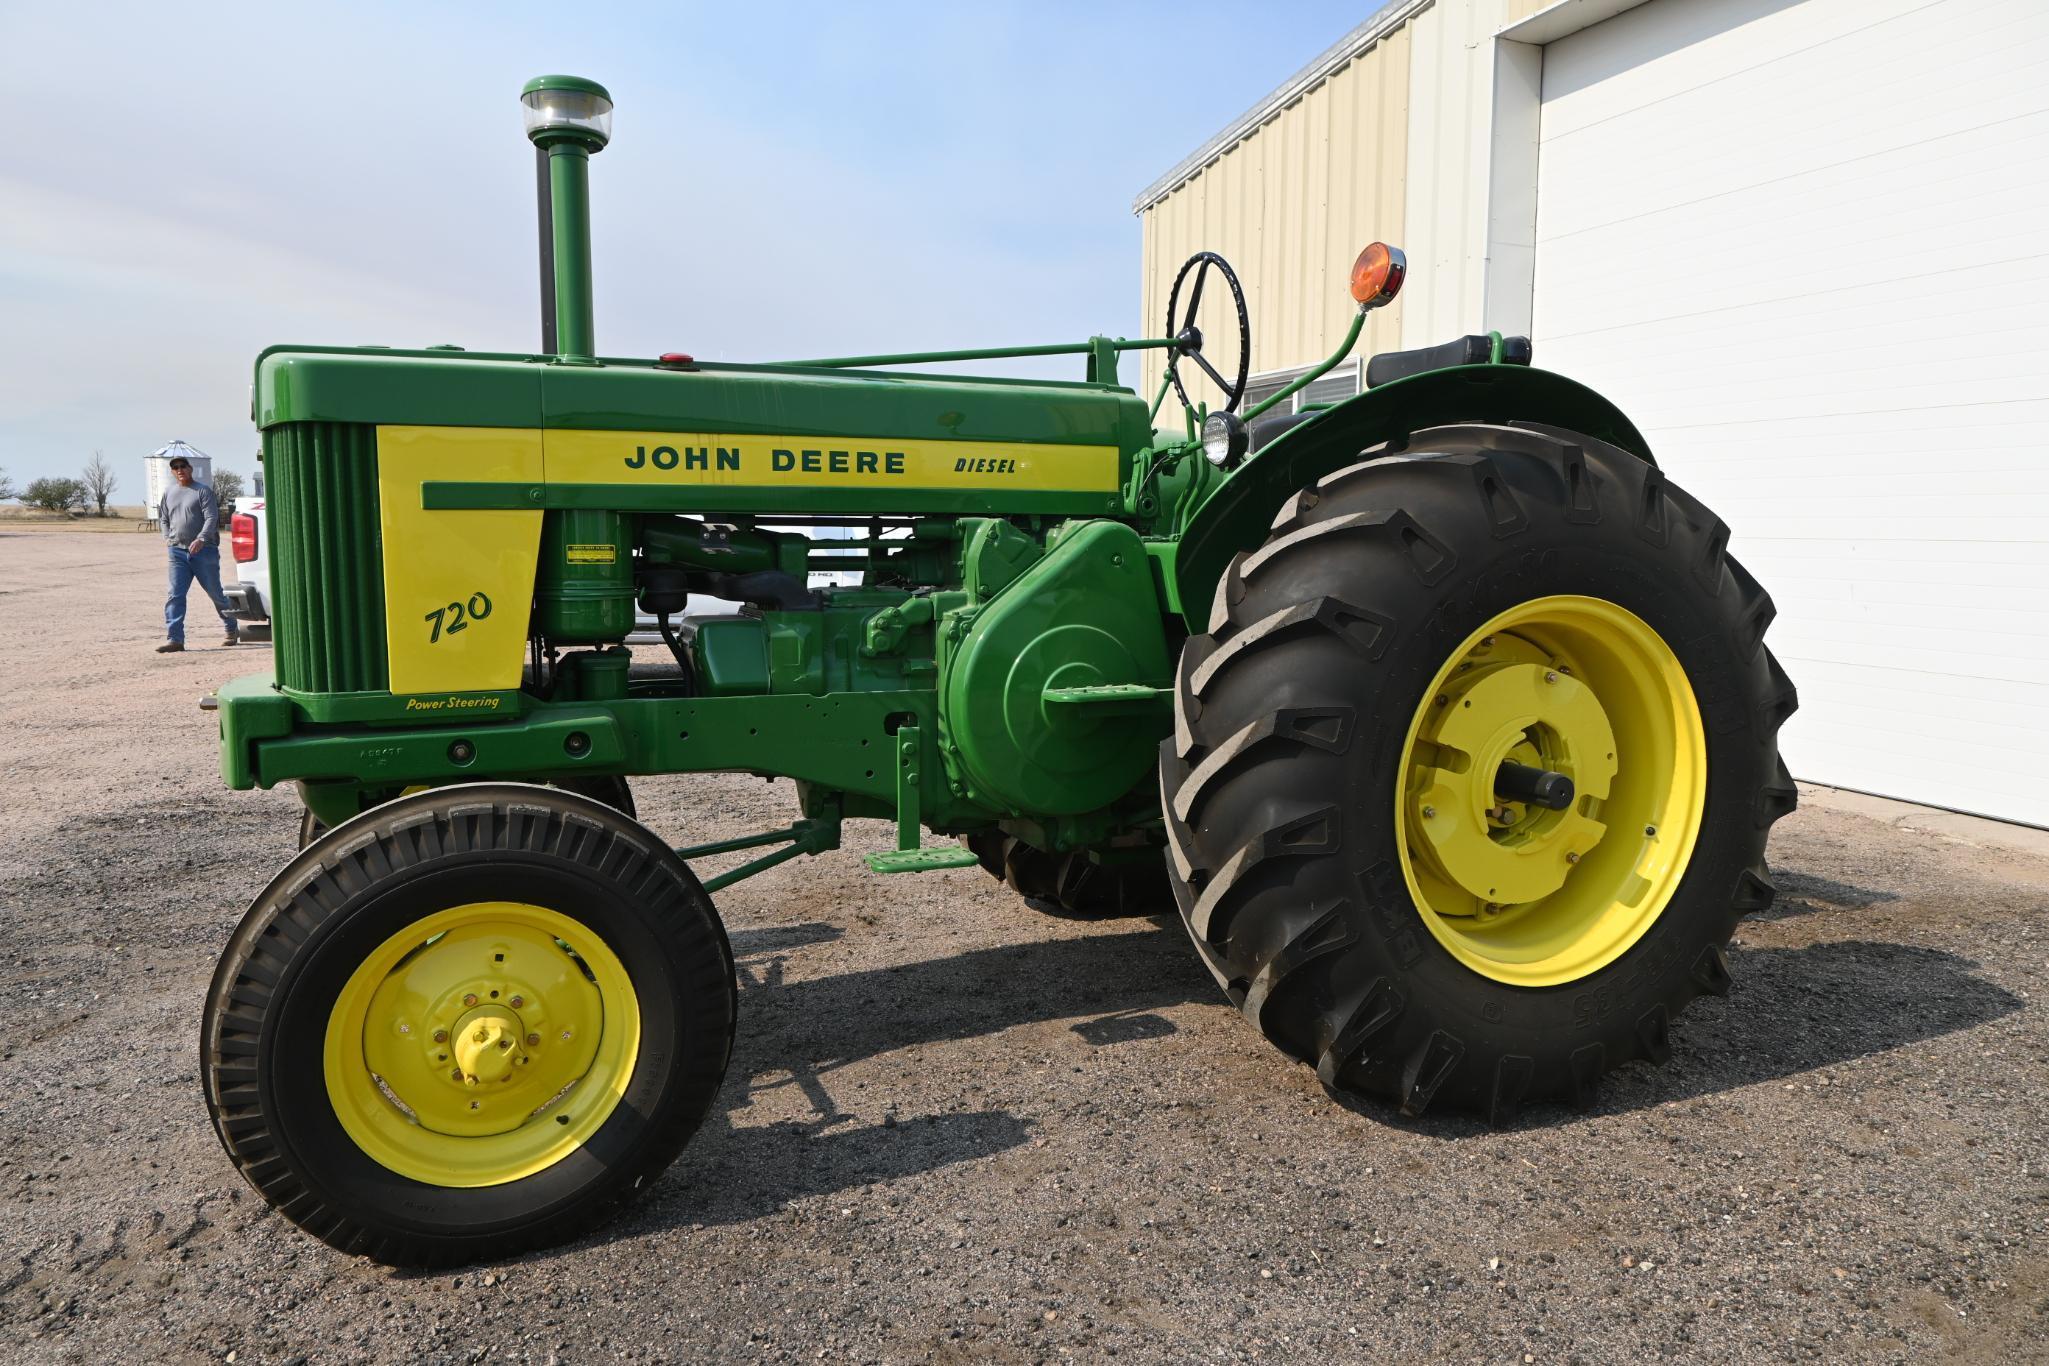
<point x="1806" y="247"/>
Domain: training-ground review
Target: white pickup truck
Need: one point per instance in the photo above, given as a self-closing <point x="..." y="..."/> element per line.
<point x="249" y="545"/>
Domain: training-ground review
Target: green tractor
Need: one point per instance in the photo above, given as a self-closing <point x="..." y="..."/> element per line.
<point x="1441" y="718"/>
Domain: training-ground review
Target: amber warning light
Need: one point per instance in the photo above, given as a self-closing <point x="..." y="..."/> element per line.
<point x="1377" y="275"/>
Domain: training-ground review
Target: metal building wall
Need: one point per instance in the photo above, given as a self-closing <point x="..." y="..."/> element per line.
<point x="1289" y="206"/>
<point x="1455" y="70"/>
<point x="1401" y="143"/>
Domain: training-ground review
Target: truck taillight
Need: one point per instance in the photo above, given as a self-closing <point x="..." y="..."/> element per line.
<point x="242" y="537"/>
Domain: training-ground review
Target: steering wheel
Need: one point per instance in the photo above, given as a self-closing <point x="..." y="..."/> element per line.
<point x="1188" y="337"/>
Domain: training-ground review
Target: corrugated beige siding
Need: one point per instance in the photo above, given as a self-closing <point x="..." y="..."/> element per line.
<point x="1515" y="11"/>
<point x="1290" y="206"/>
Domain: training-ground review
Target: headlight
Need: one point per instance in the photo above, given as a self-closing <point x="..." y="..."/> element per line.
<point x="1223" y="439"/>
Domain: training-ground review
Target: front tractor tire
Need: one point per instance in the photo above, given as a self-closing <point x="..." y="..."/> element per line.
<point x="468" y="1023"/>
<point x="607" y="789"/>
<point x="1472" y="775"/>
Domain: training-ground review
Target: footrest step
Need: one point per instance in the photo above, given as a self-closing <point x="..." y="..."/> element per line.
<point x="922" y="860"/>
<point x="1112" y="698"/>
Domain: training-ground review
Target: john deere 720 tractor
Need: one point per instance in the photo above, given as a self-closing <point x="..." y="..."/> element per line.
<point x="1440" y="715"/>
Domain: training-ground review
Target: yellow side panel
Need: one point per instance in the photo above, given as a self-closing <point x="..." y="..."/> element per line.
<point x="457" y="584"/>
<point x="842" y="462"/>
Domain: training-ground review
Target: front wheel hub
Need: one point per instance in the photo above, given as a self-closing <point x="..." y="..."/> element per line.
<point x="486" y="1045"/>
<point x="1552" y="785"/>
<point x="436" y="1073"/>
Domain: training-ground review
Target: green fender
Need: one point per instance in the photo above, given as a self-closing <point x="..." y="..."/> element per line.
<point x="1240" y="513"/>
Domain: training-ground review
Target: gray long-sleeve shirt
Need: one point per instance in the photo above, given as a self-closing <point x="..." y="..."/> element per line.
<point x="190" y="512"/>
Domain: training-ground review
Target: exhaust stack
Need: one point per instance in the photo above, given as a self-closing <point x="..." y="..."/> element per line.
<point x="568" y="119"/>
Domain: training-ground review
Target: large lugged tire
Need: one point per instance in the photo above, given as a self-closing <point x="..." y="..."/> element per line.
<point x="468" y="1023"/>
<point x="1073" y="885"/>
<point x="1417" y="630"/>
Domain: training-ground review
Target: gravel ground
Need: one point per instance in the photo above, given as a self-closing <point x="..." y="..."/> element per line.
<point x="955" y="1128"/>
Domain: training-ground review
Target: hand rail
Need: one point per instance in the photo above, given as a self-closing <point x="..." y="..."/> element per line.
<point x="1310" y="377"/>
<point x="981" y="353"/>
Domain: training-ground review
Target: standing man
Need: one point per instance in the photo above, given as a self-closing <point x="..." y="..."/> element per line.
<point x="191" y="518"/>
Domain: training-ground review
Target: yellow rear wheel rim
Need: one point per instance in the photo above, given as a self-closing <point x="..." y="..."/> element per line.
<point x="481" y="1044"/>
<point x="1525" y="895"/>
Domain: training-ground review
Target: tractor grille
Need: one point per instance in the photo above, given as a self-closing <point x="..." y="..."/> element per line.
<point x="326" y="571"/>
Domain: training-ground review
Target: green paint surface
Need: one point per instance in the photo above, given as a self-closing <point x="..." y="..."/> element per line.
<point x="1005" y="659"/>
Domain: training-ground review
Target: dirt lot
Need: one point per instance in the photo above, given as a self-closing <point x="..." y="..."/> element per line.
<point x="957" y="1128"/>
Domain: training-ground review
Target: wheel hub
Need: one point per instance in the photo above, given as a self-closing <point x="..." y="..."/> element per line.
<point x="1548" y="753"/>
<point x="486" y="1045"/>
<point x="1507" y="709"/>
<point x="476" y="1044"/>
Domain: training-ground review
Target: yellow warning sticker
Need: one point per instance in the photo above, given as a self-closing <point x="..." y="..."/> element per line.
<point x="592" y="554"/>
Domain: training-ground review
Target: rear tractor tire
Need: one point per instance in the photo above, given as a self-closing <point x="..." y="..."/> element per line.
<point x="468" y="1023"/>
<point x="1371" y="844"/>
<point x="1073" y="885"/>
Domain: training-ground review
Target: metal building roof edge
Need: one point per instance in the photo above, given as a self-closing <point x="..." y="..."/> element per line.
<point x="1377" y="26"/>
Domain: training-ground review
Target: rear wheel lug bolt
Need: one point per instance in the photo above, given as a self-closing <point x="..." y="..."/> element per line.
<point x="440" y="1036"/>
<point x="532" y="1039"/>
<point x="469" y="998"/>
<point x="455" y="1074"/>
<point x="518" y="1001"/>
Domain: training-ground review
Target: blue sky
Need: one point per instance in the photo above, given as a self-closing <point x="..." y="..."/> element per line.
<point x="197" y="182"/>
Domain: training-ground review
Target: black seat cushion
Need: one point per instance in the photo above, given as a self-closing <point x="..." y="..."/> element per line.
<point x="1477" y="349"/>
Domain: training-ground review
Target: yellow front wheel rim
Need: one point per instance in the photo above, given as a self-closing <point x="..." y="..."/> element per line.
<point x="1526" y="895"/>
<point x="481" y="1044"/>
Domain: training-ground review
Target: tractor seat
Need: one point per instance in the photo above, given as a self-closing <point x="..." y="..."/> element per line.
<point x="1478" y="349"/>
<point x="1389" y="366"/>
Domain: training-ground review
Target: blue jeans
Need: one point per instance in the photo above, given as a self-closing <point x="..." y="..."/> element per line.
<point x="203" y="564"/>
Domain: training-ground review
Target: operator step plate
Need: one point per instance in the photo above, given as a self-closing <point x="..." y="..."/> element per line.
<point x="922" y="860"/>
<point x="1134" y="699"/>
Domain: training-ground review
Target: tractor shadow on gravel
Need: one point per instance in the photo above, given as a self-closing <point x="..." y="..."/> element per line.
<point x="799" y="1033"/>
<point x="1792" y="1011"/>
<point x="1796" y="1010"/>
<point x="1810" y="894"/>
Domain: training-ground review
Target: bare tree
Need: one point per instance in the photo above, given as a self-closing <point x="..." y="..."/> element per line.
<point x="99" y="480"/>
<point x="227" y="486"/>
<point x="7" y="489"/>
